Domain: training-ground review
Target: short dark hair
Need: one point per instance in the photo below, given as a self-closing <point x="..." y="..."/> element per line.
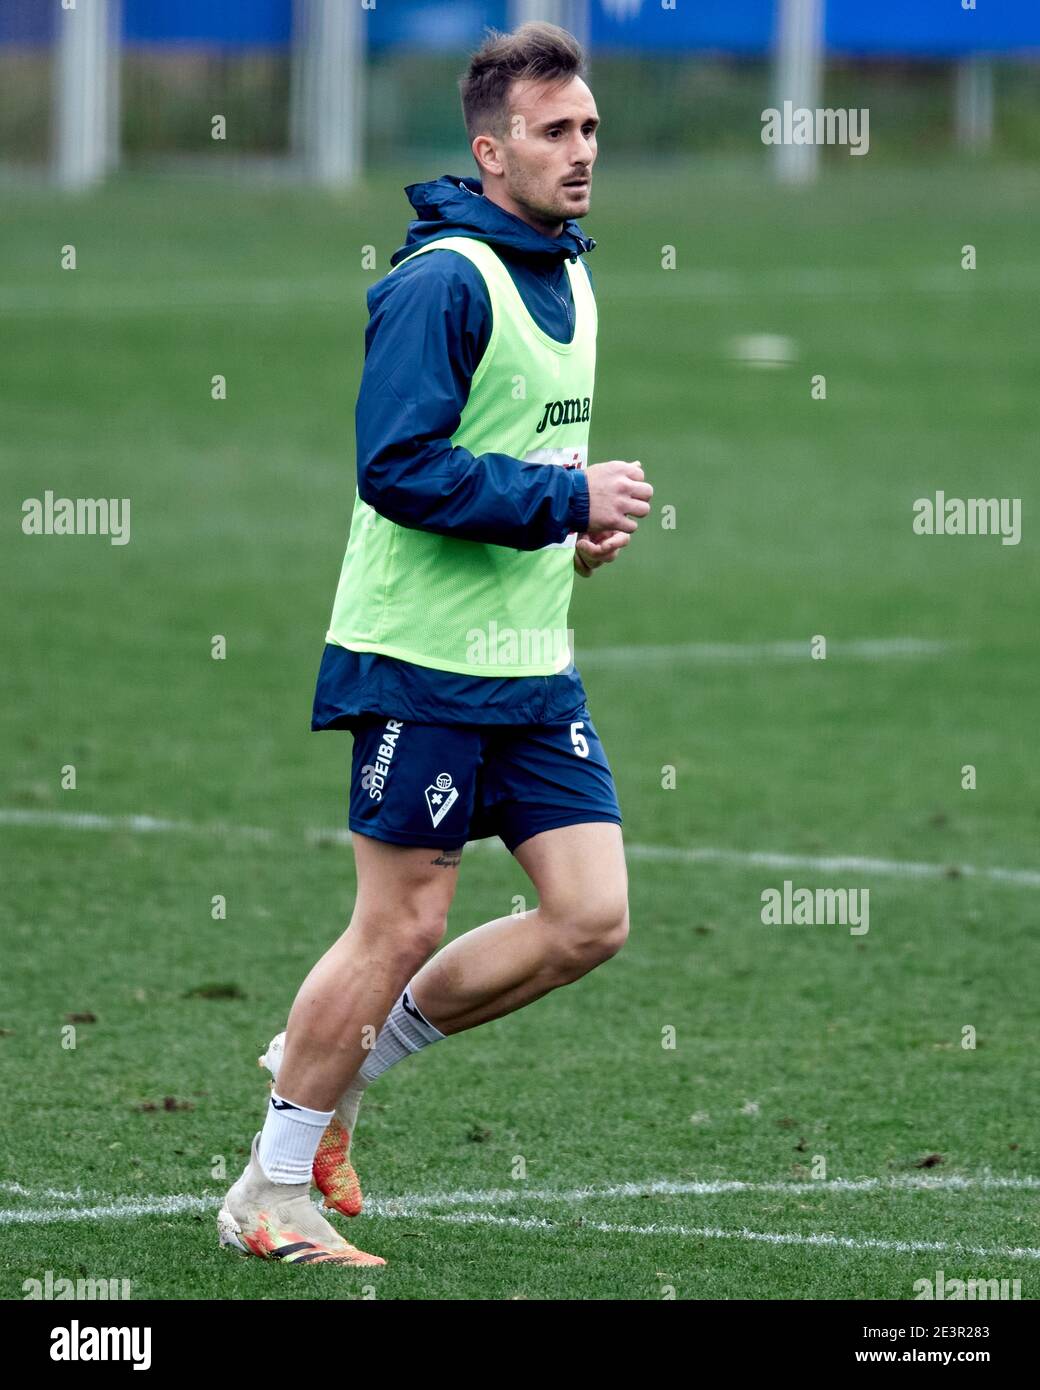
<point x="535" y="50"/>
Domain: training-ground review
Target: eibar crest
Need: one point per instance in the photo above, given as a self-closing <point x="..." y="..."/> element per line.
<point x="441" y="796"/>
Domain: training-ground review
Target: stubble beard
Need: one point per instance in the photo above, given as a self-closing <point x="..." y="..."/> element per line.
<point x="550" y="208"/>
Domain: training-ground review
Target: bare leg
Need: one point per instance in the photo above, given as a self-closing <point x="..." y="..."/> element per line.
<point x="581" y="920"/>
<point x="400" y="913"/>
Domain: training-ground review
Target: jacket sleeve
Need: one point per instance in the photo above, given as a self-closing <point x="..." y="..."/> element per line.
<point x="429" y="326"/>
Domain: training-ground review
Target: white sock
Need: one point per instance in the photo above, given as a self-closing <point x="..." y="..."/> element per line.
<point x="289" y="1140"/>
<point x="404" y="1032"/>
<point x="349" y="1103"/>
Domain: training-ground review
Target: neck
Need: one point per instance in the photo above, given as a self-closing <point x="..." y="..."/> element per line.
<point x="502" y="200"/>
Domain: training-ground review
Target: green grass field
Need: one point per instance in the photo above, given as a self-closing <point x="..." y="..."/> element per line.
<point x="793" y="518"/>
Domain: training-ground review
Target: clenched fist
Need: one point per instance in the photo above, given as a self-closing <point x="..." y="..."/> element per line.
<point x="618" y="494"/>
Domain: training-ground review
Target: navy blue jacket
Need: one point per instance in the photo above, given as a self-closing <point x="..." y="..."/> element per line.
<point x="429" y="324"/>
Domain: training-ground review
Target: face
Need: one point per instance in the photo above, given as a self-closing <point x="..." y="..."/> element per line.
<point x="542" y="169"/>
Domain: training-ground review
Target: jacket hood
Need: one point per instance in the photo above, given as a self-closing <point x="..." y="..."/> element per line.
<point x="452" y="206"/>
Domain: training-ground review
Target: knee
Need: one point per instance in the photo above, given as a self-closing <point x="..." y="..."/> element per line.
<point x="589" y="935"/>
<point x="408" y="936"/>
<point x="424" y="932"/>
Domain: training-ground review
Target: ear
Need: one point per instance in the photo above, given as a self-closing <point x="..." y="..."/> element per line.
<point x="486" y="153"/>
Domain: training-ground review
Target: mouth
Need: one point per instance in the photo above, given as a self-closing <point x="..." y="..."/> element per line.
<point x="579" y="185"/>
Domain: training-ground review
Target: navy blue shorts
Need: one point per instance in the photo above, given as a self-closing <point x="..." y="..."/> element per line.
<point x="439" y="785"/>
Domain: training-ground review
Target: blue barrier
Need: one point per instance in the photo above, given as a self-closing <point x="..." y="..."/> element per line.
<point x="440" y="25"/>
<point x="874" y="28"/>
<point x="730" y="26"/>
<point x="446" y="25"/>
<point x="26" y="24"/>
<point x="221" y="23"/>
<point x="933" y="28"/>
<point x="867" y="28"/>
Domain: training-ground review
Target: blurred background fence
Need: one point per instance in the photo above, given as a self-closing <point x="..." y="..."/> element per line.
<point x="320" y="88"/>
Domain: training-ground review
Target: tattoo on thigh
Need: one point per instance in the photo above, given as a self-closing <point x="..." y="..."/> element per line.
<point x="448" y="858"/>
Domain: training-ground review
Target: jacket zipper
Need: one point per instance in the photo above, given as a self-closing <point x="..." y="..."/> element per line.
<point x="567" y="307"/>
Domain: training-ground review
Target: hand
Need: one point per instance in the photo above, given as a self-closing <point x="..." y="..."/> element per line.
<point x="592" y="551"/>
<point x="618" y="493"/>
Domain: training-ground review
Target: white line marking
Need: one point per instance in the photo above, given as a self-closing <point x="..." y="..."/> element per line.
<point x="123" y="299"/>
<point x="866" y="649"/>
<point x="15" y="1189"/>
<point x="906" y="1247"/>
<point x="667" y="854"/>
<point x="343" y="292"/>
<point x="824" y="283"/>
<point x="418" y="1206"/>
<point x="670" y="1187"/>
<point x="714" y="1187"/>
<point x="121" y="1209"/>
<point x="832" y="864"/>
<point x="136" y="825"/>
<point x="415" y="1204"/>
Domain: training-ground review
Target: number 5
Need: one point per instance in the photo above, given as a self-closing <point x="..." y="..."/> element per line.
<point x="581" y="743"/>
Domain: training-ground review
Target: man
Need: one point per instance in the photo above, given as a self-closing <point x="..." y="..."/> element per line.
<point x="447" y="654"/>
